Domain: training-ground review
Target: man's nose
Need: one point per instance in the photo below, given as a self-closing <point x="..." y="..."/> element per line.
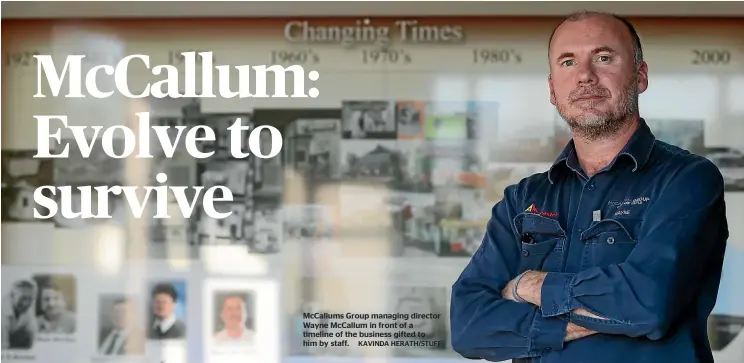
<point x="587" y="74"/>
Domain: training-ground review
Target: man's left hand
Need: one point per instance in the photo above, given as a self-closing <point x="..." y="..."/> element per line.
<point x="529" y="288"/>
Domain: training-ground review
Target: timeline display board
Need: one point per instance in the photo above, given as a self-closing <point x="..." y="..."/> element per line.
<point x="380" y="196"/>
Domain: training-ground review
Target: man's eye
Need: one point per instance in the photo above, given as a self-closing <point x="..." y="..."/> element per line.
<point x="568" y="62"/>
<point x="603" y="58"/>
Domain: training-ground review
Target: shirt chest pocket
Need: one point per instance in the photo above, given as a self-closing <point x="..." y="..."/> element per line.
<point x="608" y="242"/>
<point x="542" y="242"/>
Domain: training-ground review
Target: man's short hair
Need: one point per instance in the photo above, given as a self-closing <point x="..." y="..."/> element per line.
<point x="24" y="284"/>
<point x="238" y="296"/>
<point x="167" y="289"/>
<point x="50" y="285"/>
<point x="581" y="15"/>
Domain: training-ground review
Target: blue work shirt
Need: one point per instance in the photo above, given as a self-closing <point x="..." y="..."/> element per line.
<point x="640" y="244"/>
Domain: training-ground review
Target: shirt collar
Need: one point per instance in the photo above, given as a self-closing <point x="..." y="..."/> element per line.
<point x="638" y="149"/>
<point x="166" y="323"/>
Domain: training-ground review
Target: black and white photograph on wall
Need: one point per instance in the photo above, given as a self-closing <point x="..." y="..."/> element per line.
<point x="21" y="175"/>
<point x="430" y="303"/>
<point x="98" y="169"/>
<point x="56" y="304"/>
<point x="115" y="207"/>
<point x="371" y="160"/>
<point x="414" y="224"/>
<point x="182" y="112"/>
<point x="410" y="116"/>
<point x="238" y="176"/>
<point x="312" y="148"/>
<point x="181" y="170"/>
<point x="730" y="162"/>
<point x="120" y="326"/>
<point x="455" y="164"/>
<point x="687" y="134"/>
<point x="167" y="310"/>
<point x="234" y="174"/>
<point x="208" y="231"/>
<point x="307" y="222"/>
<point x="267" y="226"/>
<point x="268" y="176"/>
<point x="186" y="113"/>
<point x="369" y="120"/>
<point x="234" y="317"/>
<point x="726" y="336"/>
<point x="19" y="324"/>
<point x="219" y="124"/>
<point x="413" y="167"/>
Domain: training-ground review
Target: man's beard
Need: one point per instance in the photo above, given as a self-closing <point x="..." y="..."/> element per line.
<point x="605" y="125"/>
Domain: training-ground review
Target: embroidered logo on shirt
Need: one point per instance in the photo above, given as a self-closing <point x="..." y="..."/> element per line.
<point x="533" y="209"/>
<point x="625" y="206"/>
<point x="628" y="201"/>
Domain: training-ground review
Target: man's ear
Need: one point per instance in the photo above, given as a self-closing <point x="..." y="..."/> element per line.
<point x="552" y="93"/>
<point x="642" y="77"/>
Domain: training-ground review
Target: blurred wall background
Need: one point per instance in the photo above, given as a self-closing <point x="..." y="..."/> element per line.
<point x="385" y="181"/>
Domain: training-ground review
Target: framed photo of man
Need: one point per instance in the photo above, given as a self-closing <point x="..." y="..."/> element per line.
<point x="56" y="311"/>
<point x="167" y="315"/>
<point x="120" y="326"/>
<point x="242" y="320"/>
<point x="234" y="317"/>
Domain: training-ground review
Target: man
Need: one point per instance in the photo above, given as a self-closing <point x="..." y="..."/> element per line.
<point x="19" y="324"/>
<point x="233" y="316"/>
<point x="615" y="253"/>
<point x="164" y="324"/>
<point x="55" y="316"/>
<point x="119" y="337"/>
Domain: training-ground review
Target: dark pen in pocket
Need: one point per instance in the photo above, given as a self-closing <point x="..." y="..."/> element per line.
<point x="527" y="238"/>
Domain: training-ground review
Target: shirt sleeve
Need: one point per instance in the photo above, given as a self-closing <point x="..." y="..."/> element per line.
<point x="483" y="324"/>
<point x="681" y="245"/>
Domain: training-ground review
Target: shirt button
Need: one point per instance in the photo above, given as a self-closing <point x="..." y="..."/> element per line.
<point x="610" y="240"/>
<point x="581" y="230"/>
<point x="525" y="253"/>
<point x="590" y="187"/>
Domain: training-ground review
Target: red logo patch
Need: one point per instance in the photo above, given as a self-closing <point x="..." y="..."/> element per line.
<point x="533" y="209"/>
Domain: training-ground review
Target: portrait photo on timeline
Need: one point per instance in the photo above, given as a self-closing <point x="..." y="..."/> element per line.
<point x="19" y="324"/>
<point x="120" y="326"/>
<point x="56" y="304"/>
<point x="234" y="317"/>
<point x="21" y="175"/>
<point x="167" y="310"/>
